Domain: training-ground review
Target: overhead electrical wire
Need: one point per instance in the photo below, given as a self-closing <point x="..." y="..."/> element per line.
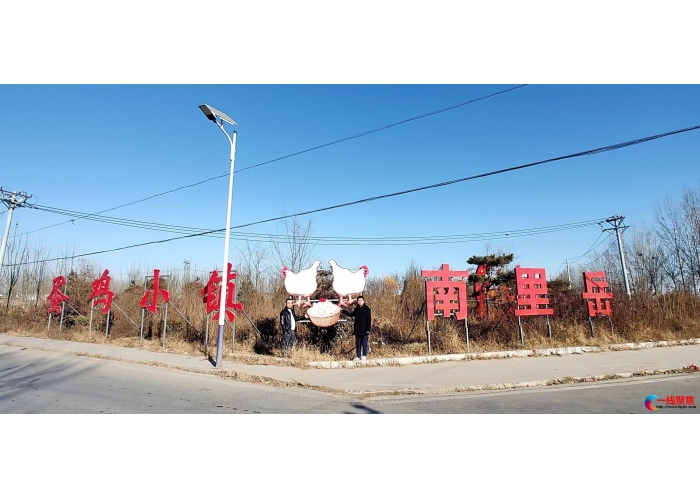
<point x="603" y="149"/>
<point x="576" y="259"/>
<point x="338" y="141"/>
<point x="422" y="241"/>
<point x="334" y="240"/>
<point x="604" y="252"/>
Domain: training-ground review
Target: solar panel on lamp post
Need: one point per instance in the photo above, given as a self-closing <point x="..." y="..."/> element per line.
<point x="219" y="118"/>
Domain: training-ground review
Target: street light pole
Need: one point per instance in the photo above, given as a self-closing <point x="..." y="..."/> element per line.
<point x="219" y="118"/>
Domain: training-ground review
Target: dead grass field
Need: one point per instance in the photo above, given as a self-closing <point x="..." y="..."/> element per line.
<point x="398" y="324"/>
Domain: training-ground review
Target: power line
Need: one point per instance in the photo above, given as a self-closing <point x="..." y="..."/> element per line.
<point x="432" y="186"/>
<point x="385" y="127"/>
<point x="467" y="238"/>
<point x="576" y="259"/>
<point x="355" y="136"/>
<point x="602" y="254"/>
<point x="604" y="149"/>
<point x="319" y="239"/>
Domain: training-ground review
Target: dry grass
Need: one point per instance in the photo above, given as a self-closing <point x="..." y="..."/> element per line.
<point x="398" y="326"/>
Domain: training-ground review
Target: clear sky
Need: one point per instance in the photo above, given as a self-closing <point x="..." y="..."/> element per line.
<point x="89" y="148"/>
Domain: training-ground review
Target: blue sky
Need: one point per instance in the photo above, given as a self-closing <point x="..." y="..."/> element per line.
<point x="88" y="148"/>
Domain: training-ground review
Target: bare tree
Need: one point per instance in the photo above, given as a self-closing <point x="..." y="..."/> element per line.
<point x="669" y="229"/>
<point x="295" y="247"/>
<point x="17" y="255"/>
<point x="645" y="257"/>
<point x="38" y="269"/>
<point x="678" y="228"/>
<point x="690" y="208"/>
<point x="254" y="263"/>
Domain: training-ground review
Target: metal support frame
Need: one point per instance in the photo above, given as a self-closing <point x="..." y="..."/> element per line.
<point x="127" y="316"/>
<point x="590" y="322"/>
<point x="165" y="321"/>
<point x="206" y="335"/>
<point x="427" y="329"/>
<point x="183" y="316"/>
<point x="143" y="314"/>
<point x="233" y="325"/>
<point x="92" y="308"/>
<point x="252" y="324"/>
<point x="520" y="330"/>
<point x="466" y="329"/>
<point x="63" y="308"/>
<point x="155" y="298"/>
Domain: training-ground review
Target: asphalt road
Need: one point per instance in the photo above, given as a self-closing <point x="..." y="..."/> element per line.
<point x="44" y="382"/>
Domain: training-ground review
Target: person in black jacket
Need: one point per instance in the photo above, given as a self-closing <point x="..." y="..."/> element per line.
<point x="363" y="325"/>
<point x="288" y="322"/>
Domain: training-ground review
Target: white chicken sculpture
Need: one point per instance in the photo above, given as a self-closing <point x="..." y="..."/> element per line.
<point x="301" y="284"/>
<point x="347" y="283"/>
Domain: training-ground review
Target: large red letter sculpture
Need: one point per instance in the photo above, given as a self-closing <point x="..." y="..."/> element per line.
<point x="153" y="306"/>
<point x="531" y="294"/>
<point x="56" y="297"/>
<point x="444" y="296"/>
<point x="212" y="292"/>
<point x="101" y="287"/>
<point x="597" y="295"/>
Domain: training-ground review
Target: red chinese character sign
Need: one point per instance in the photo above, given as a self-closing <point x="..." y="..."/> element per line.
<point x="101" y="295"/>
<point x="531" y="295"/>
<point x="149" y="301"/>
<point x="445" y="297"/>
<point x="100" y="288"/>
<point x="56" y="297"/>
<point x="598" y="296"/>
<point x="212" y="294"/>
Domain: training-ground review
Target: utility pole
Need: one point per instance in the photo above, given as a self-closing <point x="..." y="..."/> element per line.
<point x="568" y="272"/>
<point x="11" y="200"/>
<point x="616" y="222"/>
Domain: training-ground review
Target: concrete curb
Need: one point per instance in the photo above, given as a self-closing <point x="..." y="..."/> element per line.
<point x="411" y="391"/>
<point x="520" y="353"/>
<point x="243" y="376"/>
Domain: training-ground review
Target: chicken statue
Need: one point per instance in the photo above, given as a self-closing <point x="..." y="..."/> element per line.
<point x="301" y="284"/>
<point x="347" y="283"/>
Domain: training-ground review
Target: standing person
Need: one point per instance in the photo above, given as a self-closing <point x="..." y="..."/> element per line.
<point x="363" y="325"/>
<point x="288" y="324"/>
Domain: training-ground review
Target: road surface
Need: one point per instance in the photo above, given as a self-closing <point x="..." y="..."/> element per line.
<point x="45" y="382"/>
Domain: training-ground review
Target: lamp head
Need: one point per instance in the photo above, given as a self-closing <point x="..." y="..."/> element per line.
<point x="213" y="114"/>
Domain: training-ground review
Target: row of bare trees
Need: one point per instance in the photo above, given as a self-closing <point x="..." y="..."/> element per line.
<point x="662" y="258"/>
<point x="26" y="277"/>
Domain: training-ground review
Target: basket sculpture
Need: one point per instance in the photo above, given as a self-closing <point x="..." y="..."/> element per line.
<point x="324" y="314"/>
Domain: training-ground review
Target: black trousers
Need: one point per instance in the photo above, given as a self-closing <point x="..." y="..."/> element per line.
<point x="361" y="345"/>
